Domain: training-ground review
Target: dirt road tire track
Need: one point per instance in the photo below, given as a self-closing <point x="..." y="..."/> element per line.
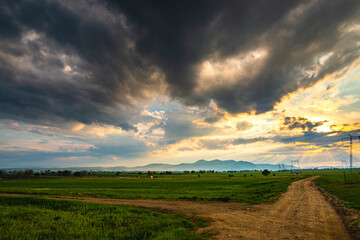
<point x="300" y="213"/>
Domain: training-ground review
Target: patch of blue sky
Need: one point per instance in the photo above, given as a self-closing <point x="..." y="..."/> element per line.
<point x="354" y="107"/>
<point x="167" y="106"/>
<point x="350" y="84"/>
<point x="323" y="59"/>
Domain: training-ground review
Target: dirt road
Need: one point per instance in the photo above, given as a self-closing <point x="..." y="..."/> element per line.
<point x="300" y="213"/>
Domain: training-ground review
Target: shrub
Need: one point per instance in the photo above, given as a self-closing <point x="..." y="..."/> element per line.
<point x="265" y="172"/>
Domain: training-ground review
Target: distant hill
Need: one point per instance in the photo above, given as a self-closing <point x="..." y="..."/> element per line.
<point x="216" y="165"/>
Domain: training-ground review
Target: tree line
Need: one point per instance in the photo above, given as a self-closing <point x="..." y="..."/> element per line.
<point x="29" y="173"/>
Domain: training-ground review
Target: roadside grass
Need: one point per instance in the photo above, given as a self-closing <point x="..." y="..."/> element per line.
<point x="208" y="187"/>
<point x="32" y="218"/>
<point x="348" y="191"/>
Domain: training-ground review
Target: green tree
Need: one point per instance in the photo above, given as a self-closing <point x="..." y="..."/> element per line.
<point x="2" y="173"/>
<point x="28" y="172"/>
<point x="265" y="172"/>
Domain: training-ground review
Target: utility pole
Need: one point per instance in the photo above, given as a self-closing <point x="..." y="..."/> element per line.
<point x="294" y="162"/>
<point x="281" y="166"/>
<point x="342" y="163"/>
<point x="351" y="155"/>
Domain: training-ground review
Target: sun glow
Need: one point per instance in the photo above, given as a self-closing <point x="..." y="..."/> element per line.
<point x="227" y="72"/>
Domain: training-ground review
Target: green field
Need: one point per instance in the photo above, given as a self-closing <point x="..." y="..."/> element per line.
<point x="31" y="218"/>
<point x="209" y="187"/>
<point x="346" y="188"/>
<point x="349" y="191"/>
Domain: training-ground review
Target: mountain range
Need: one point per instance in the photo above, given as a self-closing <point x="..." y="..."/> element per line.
<point x="216" y="165"/>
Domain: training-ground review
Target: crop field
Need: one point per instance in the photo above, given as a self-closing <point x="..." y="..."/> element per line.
<point x="253" y="188"/>
<point x="31" y="218"/>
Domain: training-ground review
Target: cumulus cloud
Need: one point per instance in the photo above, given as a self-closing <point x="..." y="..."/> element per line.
<point x="301" y="123"/>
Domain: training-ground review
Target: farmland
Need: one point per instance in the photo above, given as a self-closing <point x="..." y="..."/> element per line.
<point x="345" y="188"/>
<point x="253" y="188"/>
<point x="349" y="191"/>
<point x="209" y="196"/>
<point x="31" y="218"/>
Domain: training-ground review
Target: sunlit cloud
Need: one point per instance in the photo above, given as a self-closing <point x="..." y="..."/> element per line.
<point x="218" y="73"/>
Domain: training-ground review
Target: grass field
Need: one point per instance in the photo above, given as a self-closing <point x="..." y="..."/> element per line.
<point x="349" y="191"/>
<point x="346" y="188"/>
<point x="209" y="187"/>
<point x="31" y="218"/>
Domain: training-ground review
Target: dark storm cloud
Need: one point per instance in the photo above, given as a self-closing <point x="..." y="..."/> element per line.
<point x="116" y="54"/>
<point x="8" y="28"/>
<point x="105" y="73"/>
<point x="178" y="36"/>
<point x="326" y="140"/>
<point x="301" y="123"/>
<point x="294" y="47"/>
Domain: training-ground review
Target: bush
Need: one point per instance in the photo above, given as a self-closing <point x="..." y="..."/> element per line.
<point x="265" y="172"/>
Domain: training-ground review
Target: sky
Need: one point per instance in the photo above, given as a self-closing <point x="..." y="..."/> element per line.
<point x="134" y="82"/>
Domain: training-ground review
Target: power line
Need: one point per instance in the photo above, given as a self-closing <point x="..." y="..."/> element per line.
<point x="281" y="166"/>
<point x="294" y="162"/>
<point x="350" y="138"/>
<point x="342" y="163"/>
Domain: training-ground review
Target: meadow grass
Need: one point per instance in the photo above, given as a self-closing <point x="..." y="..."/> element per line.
<point x="349" y="191"/>
<point x="208" y="187"/>
<point x="32" y="218"/>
